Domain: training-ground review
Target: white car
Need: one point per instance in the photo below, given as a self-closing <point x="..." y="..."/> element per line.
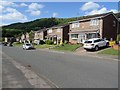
<point x="27" y="46"/>
<point x="95" y="43"/>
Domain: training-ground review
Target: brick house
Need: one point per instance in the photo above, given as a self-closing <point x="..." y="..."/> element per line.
<point x="58" y="34"/>
<point x="25" y="37"/>
<point x="100" y="25"/>
<point x="40" y="35"/>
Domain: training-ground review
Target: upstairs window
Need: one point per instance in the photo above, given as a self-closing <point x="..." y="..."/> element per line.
<point x="94" y="22"/>
<point x="75" y="25"/>
<point x="58" y="30"/>
<point x="50" y="31"/>
<point x="114" y="23"/>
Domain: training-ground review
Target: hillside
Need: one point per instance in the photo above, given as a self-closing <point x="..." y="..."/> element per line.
<point x="17" y="29"/>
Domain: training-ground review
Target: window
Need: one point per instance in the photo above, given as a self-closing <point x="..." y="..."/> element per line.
<point x="58" y="30"/>
<point x="75" y="25"/>
<point x="98" y="40"/>
<point x="94" y="22"/>
<point x="114" y="23"/>
<point x="50" y="31"/>
<point x="88" y="41"/>
<point x="74" y="36"/>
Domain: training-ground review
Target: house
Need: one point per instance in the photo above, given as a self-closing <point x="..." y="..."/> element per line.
<point x="40" y="35"/>
<point x="25" y="37"/>
<point x="99" y="25"/>
<point x="58" y="34"/>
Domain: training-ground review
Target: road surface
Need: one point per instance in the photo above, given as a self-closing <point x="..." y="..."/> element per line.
<point x="67" y="70"/>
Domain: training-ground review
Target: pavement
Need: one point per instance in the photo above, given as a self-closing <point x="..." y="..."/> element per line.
<point x="66" y="70"/>
<point x="15" y="75"/>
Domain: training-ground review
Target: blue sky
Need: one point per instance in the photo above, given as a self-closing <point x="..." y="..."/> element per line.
<point x="13" y="12"/>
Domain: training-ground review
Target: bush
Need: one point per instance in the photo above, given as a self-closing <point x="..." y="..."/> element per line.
<point x="42" y="42"/>
<point x="49" y="42"/>
<point x="118" y="38"/>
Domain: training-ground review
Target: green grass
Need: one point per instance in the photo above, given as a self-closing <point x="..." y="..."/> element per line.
<point x="17" y="44"/>
<point x="68" y="47"/>
<point x="44" y="46"/>
<point x="110" y="51"/>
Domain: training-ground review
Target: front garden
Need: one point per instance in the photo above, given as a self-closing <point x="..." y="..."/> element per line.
<point x="67" y="47"/>
<point x="110" y="51"/>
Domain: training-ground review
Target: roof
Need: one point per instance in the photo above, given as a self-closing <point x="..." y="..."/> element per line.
<point x="60" y="25"/>
<point x="83" y="18"/>
<point x="44" y="29"/>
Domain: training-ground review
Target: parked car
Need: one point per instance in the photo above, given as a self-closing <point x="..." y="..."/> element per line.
<point x="4" y="43"/>
<point x="95" y="44"/>
<point x="27" y="46"/>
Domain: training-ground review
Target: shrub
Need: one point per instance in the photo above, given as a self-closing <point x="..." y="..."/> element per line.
<point x="118" y="38"/>
<point x="49" y="42"/>
<point x="42" y="42"/>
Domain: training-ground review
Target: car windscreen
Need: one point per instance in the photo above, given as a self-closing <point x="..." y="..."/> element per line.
<point x="88" y="41"/>
<point x="28" y="44"/>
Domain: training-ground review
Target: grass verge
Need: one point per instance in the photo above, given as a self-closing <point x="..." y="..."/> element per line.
<point x="44" y="46"/>
<point x="110" y="51"/>
<point x="17" y="44"/>
<point x="67" y="47"/>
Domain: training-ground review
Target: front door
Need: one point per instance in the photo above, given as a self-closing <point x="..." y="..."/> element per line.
<point x="82" y="37"/>
<point x="55" y="39"/>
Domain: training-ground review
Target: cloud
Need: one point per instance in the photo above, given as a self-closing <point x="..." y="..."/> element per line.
<point x="35" y="6"/>
<point x="11" y="14"/>
<point x="89" y="6"/>
<point x="55" y="14"/>
<point x="34" y="9"/>
<point x="7" y="4"/>
<point x="100" y="11"/>
<point x="23" y="4"/>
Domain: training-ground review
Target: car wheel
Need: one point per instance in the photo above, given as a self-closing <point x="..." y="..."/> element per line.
<point x="96" y="48"/>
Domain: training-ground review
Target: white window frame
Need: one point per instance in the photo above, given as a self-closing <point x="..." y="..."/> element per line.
<point x="94" y="22"/>
<point x="58" y="30"/>
<point x="75" y="25"/>
<point x="74" y="37"/>
<point x="50" y="31"/>
<point x="114" y="23"/>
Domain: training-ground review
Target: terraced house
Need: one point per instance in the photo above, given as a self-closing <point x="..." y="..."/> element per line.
<point x="102" y="25"/>
<point x="40" y="35"/>
<point x="58" y="34"/>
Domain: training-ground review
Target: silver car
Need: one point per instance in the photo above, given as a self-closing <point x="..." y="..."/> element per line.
<point x="27" y="46"/>
<point x="95" y="43"/>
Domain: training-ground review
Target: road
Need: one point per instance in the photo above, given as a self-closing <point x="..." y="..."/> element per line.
<point x="68" y="70"/>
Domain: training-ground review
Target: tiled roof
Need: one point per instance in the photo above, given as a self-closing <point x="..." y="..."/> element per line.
<point x="93" y="16"/>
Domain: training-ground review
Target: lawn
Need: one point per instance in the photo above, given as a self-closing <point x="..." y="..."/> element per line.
<point x="67" y="47"/>
<point x="110" y="51"/>
<point x="44" y="46"/>
<point x="17" y="44"/>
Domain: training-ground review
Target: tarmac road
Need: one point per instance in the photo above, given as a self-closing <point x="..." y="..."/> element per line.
<point x="68" y="70"/>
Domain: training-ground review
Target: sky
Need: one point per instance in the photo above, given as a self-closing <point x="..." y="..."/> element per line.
<point x="13" y="12"/>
